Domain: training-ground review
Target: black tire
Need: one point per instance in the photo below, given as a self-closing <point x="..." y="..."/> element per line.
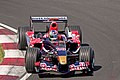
<point x="91" y="66"/>
<point x="86" y="54"/>
<point x="22" y="43"/>
<point x="32" y="56"/>
<point x="77" y="28"/>
<point x="47" y="29"/>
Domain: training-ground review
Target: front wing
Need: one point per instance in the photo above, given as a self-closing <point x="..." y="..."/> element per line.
<point x="78" y="66"/>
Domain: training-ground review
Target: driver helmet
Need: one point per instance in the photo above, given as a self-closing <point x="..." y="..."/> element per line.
<point x="53" y="35"/>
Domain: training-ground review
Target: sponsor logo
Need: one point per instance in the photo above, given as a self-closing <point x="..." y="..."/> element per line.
<point x="48" y="68"/>
<point x="80" y="66"/>
<point x="59" y="49"/>
<point x="49" y="18"/>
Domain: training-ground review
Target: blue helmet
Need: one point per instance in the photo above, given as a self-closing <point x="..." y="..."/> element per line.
<point x="53" y="35"/>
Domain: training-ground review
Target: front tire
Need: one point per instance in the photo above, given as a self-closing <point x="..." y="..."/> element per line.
<point x="87" y="55"/>
<point x="91" y="66"/>
<point x="30" y="59"/>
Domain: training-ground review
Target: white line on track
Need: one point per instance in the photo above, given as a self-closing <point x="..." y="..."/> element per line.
<point x="26" y="75"/>
<point x="8" y="27"/>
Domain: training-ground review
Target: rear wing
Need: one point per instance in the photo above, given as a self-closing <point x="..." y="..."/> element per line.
<point x="48" y="19"/>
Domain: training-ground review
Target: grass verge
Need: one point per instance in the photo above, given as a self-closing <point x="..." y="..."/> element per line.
<point x="2" y="53"/>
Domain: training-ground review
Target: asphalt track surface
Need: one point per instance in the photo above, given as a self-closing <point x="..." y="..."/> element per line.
<point x="99" y="21"/>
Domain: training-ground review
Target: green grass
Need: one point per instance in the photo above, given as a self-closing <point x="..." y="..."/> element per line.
<point x="2" y="53"/>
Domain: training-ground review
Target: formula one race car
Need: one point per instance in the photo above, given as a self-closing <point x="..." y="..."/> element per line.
<point x="54" y="49"/>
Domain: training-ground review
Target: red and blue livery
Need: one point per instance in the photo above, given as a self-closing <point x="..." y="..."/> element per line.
<point x="53" y="49"/>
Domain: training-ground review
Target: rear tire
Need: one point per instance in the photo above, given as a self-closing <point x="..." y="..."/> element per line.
<point x="77" y="28"/>
<point x="87" y="55"/>
<point x="30" y="59"/>
<point x="22" y="42"/>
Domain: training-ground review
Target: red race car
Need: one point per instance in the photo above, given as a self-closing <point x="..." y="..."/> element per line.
<point x="53" y="49"/>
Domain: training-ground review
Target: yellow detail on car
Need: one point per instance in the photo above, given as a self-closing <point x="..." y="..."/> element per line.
<point x="62" y="59"/>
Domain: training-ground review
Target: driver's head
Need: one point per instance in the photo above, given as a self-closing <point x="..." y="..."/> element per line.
<point x="53" y="35"/>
